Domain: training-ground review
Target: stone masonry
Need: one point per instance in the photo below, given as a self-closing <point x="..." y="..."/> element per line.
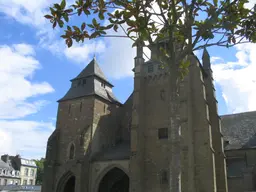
<point x="102" y="145"/>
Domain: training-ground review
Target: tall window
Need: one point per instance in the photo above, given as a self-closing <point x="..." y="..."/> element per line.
<point x="32" y="172"/>
<point x="31" y="181"/>
<point x="26" y="171"/>
<point x="5" y="182"/>
<point x="81" y="106"/>
<point x="72" y="151"/>
<point x="24" y="182"/>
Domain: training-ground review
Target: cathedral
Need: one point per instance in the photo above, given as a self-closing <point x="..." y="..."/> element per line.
<point x="103" y="145"/>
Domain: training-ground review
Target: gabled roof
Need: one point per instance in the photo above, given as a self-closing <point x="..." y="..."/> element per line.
<point x="92" y="69"/>
<point x="239" y="130"/>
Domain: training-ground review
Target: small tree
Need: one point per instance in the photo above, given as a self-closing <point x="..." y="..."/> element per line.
<point x="40" y="171"/>
<point x="187" y="25"/>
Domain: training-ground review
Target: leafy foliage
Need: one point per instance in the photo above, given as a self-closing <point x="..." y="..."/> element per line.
<point x="192" y="25"/>
<point x="40" y="171"/>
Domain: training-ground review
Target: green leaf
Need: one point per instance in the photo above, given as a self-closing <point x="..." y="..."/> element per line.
<point x="115" y="28"/>
<point x="65" y="16"/>
<point x="69" y="42"/>
<point x="54" y="24"/>
<point x="83" y="26"/>
<point x="61" y="23"/>
<point x="63" y="4"/>
<point x="86" y="11"/>
<point x="94" y="22"/>
<point x="76" y="28"/>
<point x="215" y="2"/>
<point x="90" y="25"/>
<point x="101" y="15"/>
<point x="48" y="16"/>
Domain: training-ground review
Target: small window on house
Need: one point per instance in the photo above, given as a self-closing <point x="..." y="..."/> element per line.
<point x="103" y="85"/>
<point x="24" y="182"/>
<point x="72" y="151"/>
<point x="5" y="182"/>
<point x="79" y="83"/>
<point x="84" y="81"/>
<point x="81" y="106"/>
<point x="163" y="133"/>
<point x="150" y="68"/>
<point x="31" y="181"/>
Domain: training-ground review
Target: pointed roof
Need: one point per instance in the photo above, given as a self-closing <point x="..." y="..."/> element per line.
<point x="206" y="53"/>
<point x="91" y="72"/>
<point x="92" y="69"/>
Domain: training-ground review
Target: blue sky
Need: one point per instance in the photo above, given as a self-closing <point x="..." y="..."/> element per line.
<point x="36" y="66"/>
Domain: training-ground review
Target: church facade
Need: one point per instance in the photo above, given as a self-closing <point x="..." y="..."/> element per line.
<point x="102" y="145"/>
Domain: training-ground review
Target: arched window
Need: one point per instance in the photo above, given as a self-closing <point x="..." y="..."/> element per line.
<point x="72" y="151"/>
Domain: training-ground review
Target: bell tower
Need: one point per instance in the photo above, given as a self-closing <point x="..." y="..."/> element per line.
<point x="78" y="135"/>
<point x="152" y="148"/>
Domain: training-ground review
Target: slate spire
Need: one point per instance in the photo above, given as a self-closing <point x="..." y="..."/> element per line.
<point x="92" y="69"/>
<point x="91" y="81"/>
<point x="206" y="59"/>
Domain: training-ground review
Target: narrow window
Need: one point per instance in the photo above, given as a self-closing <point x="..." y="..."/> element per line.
<point x="26" y="171"/>
<point x="163" y="133"/>
<point x="150" y="68"/>
<point x="164" y="177"/>
<point x="81" y="105"/>
<point x="69" y="108"/>
<point x="24" y="182"/>
<point x="32" y="172"/>
<point x="72" y="151"/>
<point x="79" y="83"/>
<point x="84" y="81"/>
<point x="103" y="85"/>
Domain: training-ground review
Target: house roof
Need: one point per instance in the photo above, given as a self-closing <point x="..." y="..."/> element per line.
<point x="239" y="130"/>
<point x="92" y="69"/>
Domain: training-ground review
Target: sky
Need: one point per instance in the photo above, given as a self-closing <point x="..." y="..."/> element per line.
<point x="36" y="66"/>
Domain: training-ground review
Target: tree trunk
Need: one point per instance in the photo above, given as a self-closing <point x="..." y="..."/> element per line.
<point x="174" y="131"/>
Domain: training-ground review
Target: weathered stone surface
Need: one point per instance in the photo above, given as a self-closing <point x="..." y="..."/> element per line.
<point x="107" y="134"/>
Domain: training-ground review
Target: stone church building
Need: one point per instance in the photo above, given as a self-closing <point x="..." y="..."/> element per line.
<point x="102" y="145"/>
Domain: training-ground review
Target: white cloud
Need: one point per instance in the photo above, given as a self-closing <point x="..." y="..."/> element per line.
<point x="81" y="53"/>
<point x="17" y="64"/>
<point x="24" y="49"/>
<point x="238" y="79"/>
<point x="27" y="138"/>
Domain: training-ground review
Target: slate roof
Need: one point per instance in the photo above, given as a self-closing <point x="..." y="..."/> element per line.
<point x="92" y="71"/>
<point x="239" y="130"/>
<point x="4" y="165"/>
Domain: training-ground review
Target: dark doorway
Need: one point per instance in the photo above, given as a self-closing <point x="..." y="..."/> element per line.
<point x="70" y="185"/>
<point x="114" y="181"/>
